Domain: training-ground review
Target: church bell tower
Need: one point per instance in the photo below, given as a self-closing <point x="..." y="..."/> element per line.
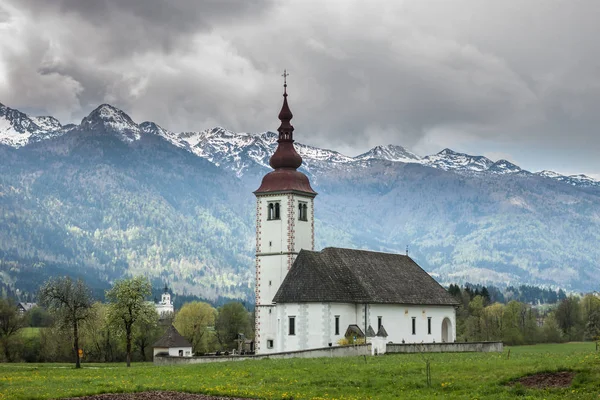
<point x="284" y="226"/>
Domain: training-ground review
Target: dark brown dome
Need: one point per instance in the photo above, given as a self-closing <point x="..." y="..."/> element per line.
<point x="285" y="179"/>
<point x="286" y="160"/>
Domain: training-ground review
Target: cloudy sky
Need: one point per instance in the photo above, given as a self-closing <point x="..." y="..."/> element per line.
<point x="508" y="79"/>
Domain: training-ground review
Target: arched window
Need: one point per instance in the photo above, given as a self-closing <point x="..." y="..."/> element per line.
<point x="270" y="211"/>
<point x="302" y="212"/>
<point x="273" y="211"/>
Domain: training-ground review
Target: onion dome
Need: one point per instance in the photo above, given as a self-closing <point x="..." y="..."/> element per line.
<point x="285" y="161"/>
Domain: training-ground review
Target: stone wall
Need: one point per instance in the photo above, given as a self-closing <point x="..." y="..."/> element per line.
<point x="337" y="351"/>
<point x="482" y="347"/>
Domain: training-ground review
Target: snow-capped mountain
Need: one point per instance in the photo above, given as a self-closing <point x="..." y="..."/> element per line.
<point x="107" y="117"/>
<point x="240" y="152"/>
<point x="574" y="180"/>
<point x="17" y="128"/>
<point x="450" y="160"/>
<point x="390" y="153"/>
<point x="504" y="167"/>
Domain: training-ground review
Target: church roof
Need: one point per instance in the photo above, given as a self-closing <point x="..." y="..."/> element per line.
<point x="354" y="330"/>
<point x="370" y="331"/>
<point x="172" y="338"/>
<point x="382" y="332"/>
<point x="359" y="276"/>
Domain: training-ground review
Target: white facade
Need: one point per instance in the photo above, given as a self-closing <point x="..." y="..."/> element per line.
<point x="165" y="305"/>
<point x="174" y="351"/>
<point x="279" y="238"/>
<point x="315" y="323"/>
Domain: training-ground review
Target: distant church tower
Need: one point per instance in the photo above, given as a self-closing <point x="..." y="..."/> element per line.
<point x="284" y="226"/>
<point x="165" y="306"/>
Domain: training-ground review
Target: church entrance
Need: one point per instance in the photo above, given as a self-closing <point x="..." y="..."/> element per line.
<point x="447" y="331"/>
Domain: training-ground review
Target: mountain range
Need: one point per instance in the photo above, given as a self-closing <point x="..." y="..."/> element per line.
<point x="110" y="197"/>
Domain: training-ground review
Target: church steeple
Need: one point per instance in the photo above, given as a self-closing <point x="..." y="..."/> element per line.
<point x="286" y="160"/>
<point x="284" y="226"/>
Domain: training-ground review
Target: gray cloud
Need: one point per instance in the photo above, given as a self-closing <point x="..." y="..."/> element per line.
<point x="512" y="77"/>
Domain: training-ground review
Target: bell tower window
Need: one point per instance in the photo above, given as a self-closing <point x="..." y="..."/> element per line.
<point x="302" y="211"/>
<point x="273" y="211"/>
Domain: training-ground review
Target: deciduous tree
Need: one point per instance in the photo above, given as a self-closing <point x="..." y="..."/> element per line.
<point x="128" y="306"/>
<point x="232" y="319"/>
<point x="10" y="323"/>
<point x="193" y="321"/>
<point x="71" y="302"/>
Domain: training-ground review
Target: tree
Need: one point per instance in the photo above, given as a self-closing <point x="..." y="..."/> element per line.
<point x="591" y="316"/>
<point x="128" y="306"/>
<point x="98" y="336"/>
<point x="193" y="320"/>
<point x="232" y="319"/>
<point x="71" y="302"/>
<point x="10" y="323"/>
<point x="146" y="333"/>
<point x="569" y="318"/>
<point x="38" y="317"/>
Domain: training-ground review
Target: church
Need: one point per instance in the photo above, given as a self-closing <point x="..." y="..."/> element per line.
<point x="308" y="299"/>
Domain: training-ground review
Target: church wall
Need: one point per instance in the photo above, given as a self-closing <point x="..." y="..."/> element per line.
<point x="302" y="234"/>
<point x="397" y="321"/>
<point x="277" y="243"/>
<point x="315" y="323"/>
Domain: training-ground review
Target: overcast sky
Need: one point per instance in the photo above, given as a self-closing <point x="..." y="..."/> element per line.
<point x="507" y="79"/>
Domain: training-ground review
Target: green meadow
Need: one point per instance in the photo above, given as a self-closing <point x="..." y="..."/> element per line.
<point x="398" y="376"/>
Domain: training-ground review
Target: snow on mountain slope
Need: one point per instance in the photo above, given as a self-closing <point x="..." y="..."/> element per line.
<point x="504" y="167"/>
<point x="107" y="117"/>
<point x="151" y="128"/>
<point x="390" y="153"/>
<point x="239" y="152"/>
<point x="17" y="128"/>
<point x="450" y="160"/>
<point x="573" y="180"/>
<point x="549" y="174"/>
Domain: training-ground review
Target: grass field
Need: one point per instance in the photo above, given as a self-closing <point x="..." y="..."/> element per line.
<point x="399" y="376"/>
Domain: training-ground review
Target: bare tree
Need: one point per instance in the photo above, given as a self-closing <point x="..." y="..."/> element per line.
<point x="71" y="302"/>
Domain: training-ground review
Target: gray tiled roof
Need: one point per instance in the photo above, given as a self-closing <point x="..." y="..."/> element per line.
<point x="354" y="330"/>
<point x="359" y="276"/>
<point x="382" y="332"/>
<point x="370" y="331"/>
<point x="172" y="338"/>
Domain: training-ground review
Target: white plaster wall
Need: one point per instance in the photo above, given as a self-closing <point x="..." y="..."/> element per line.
<point x="174" y="351"/>
<point x="163" y="309"/>
<point x="278" y="242"/>
<point x="315" y="323"/>
<point x="397" y="321"/>
<point x="274" y="233"/>
<point x="303" y="230"/>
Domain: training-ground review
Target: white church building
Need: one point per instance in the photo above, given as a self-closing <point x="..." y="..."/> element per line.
<point x="310" y="299"/>
<point x="164" y="307"/>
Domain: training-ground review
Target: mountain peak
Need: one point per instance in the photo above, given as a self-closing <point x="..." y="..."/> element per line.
<point x="389" y="152"/>
<point x="504" y="167"/>
<point x="449" y="159"/>
<point x="18" y="129"/>
<point x="107" y="117"/>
